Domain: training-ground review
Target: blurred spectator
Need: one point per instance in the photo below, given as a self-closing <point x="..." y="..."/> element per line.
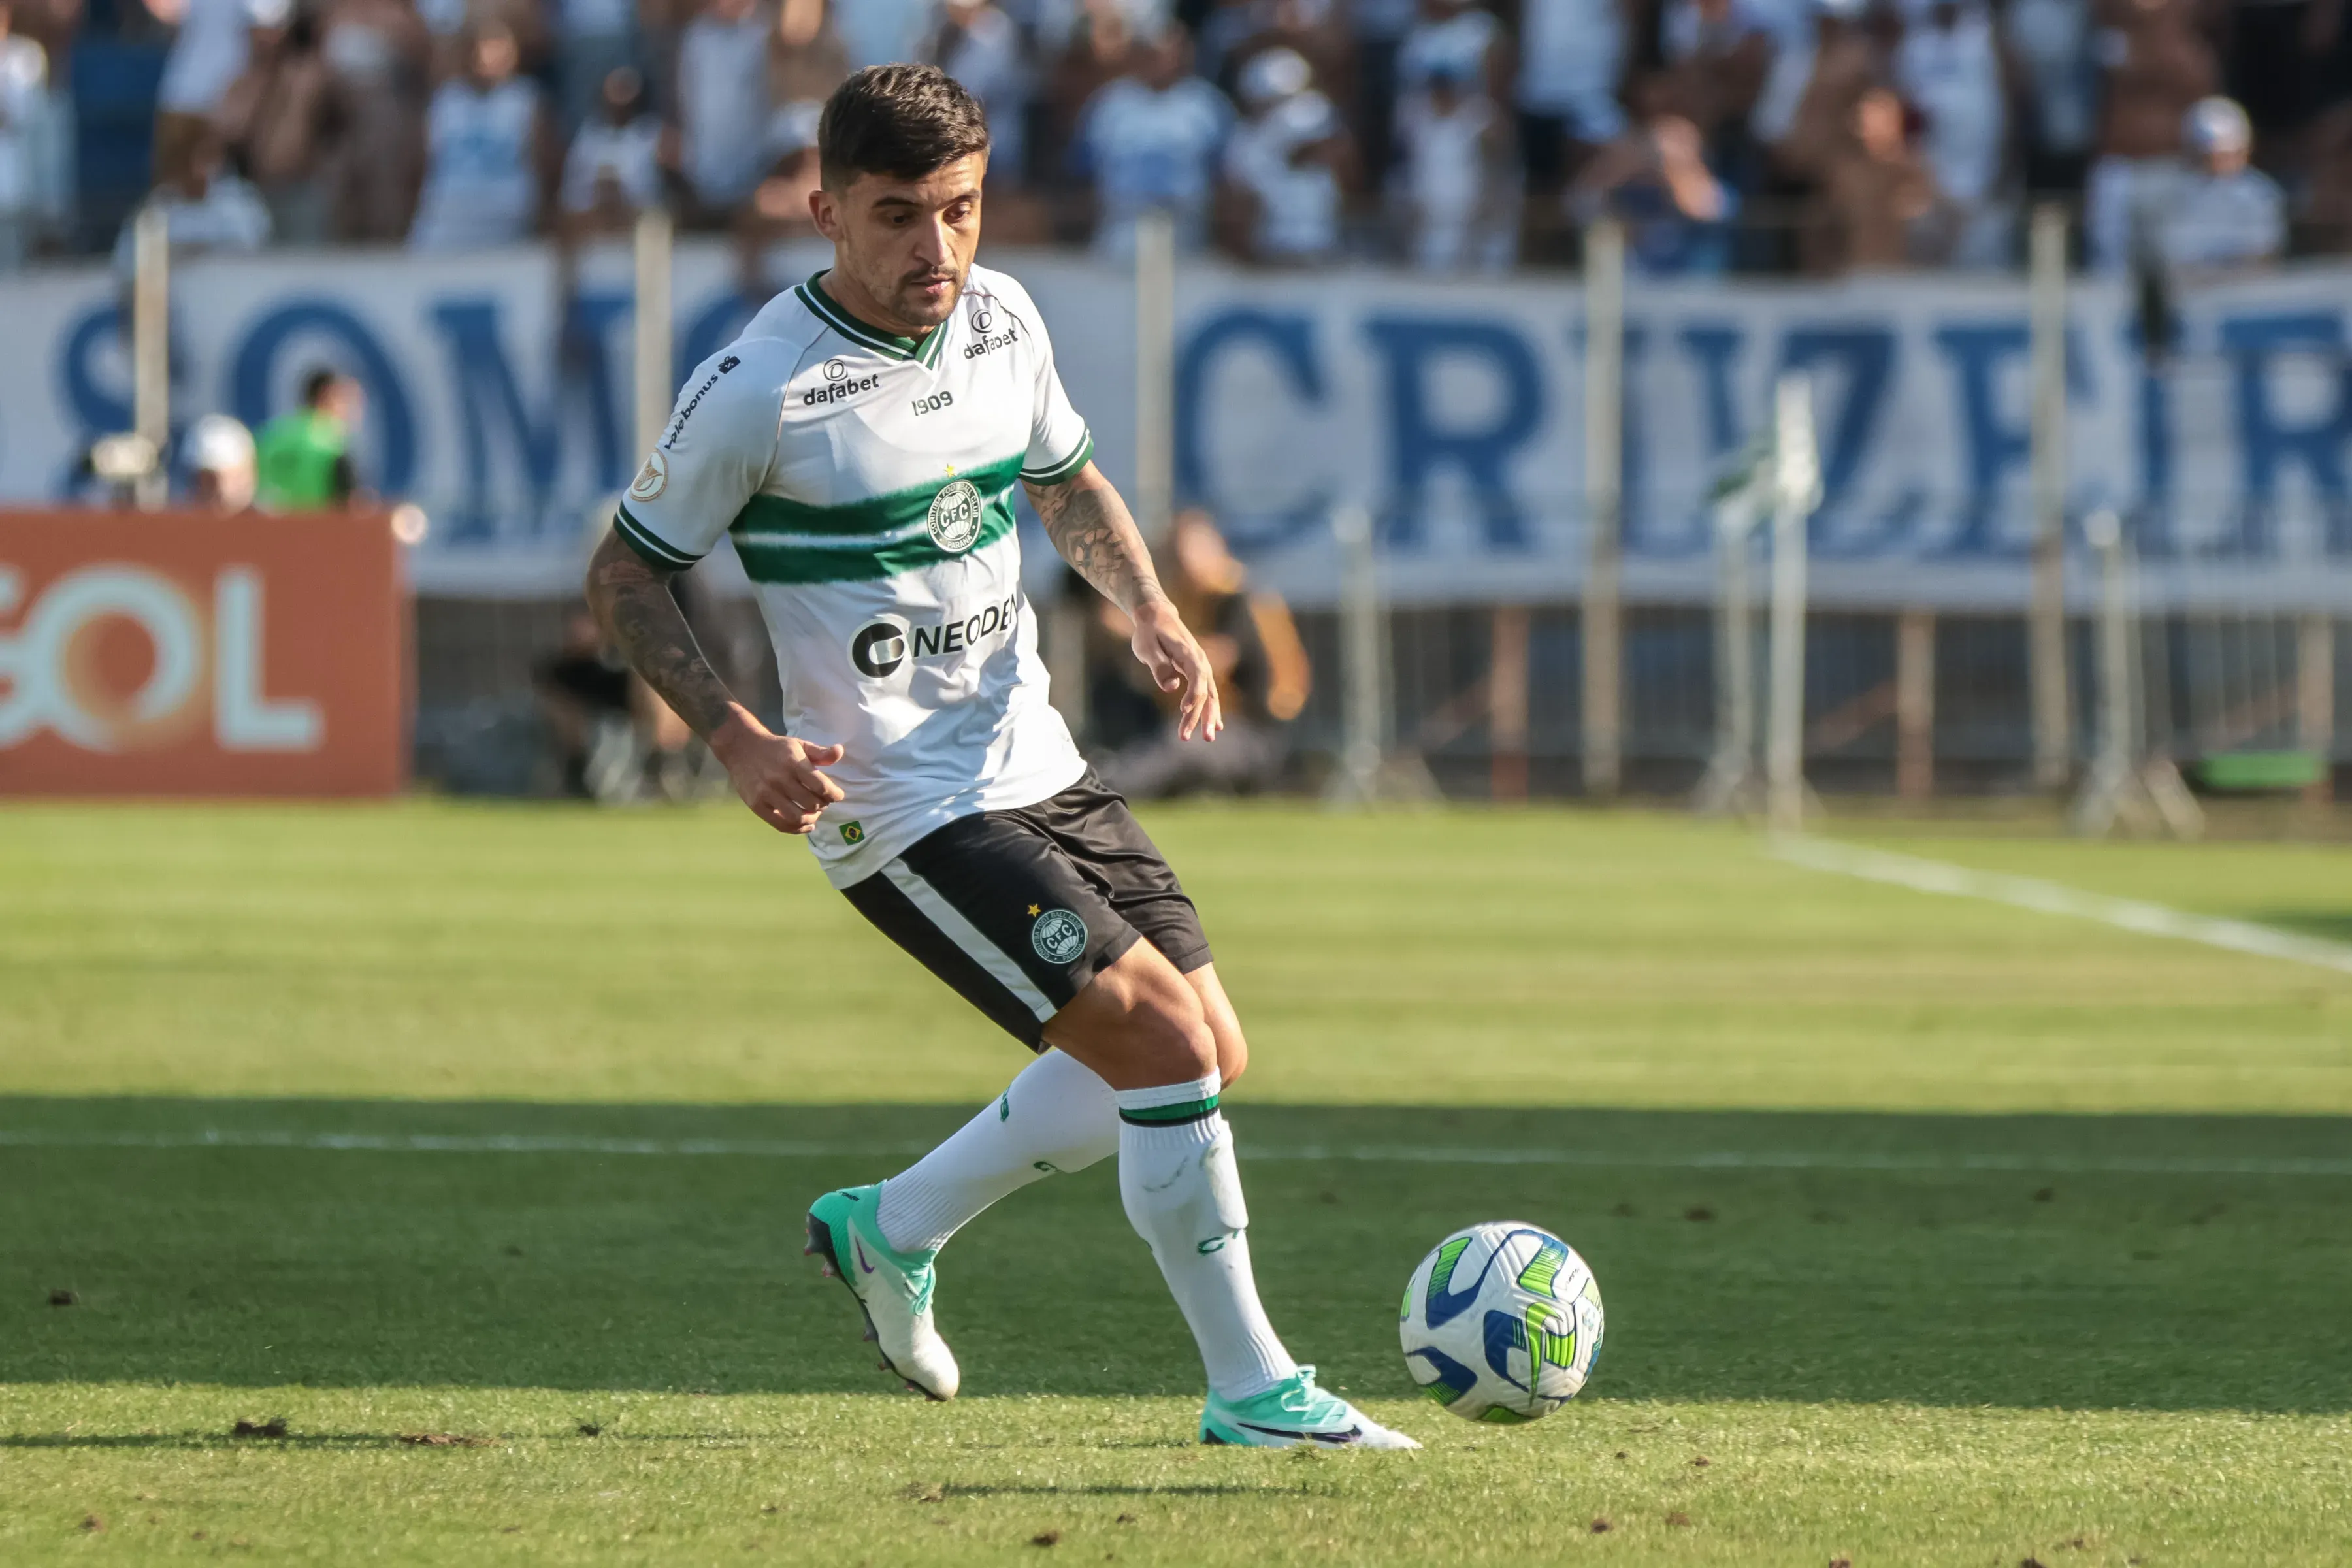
<point x="594" y="38"/>
<point x="1717" y="54"/>
<point x="977" y="44"/>
<point x="1949" y="67"/>
<point x="24" y="126"/>
<point x="378" y="54"/>
<point x="1287" y="163"/>
<point x="722" y="105"/>
<point x="1570" y="52"/>
<point x="1380" y="26"/>
<point x="2051" y="42"/>
<point x="2157" y="66"/>
<point x="2222" y="213"/>
<point x="52" y="24"/>
<point x="1879" y="206"/>
<point x="1317" y="29"/>
<point x="779" y="205"/>
<point x="1102" y="46"/>
<point x="1461" y="37"/>
<point x="883" y="32"/>
<point x="2327" y="198"/>
<point x="1262" y="670"/>
<point x="220" y="457"/>
<point x="586" y="698"/>
<point x="277" y="118"/>
<point x="612" y="171"/>
<point x="1805" y="113"/>
<point x="1456" y="177"/>
<point x="489" y="149"/>
<point x="1655" y="180"/>
<point x="207" y="208"/>
<point x="806" y="61"/>
<point x="1150" y="140"/>
<point x="2278" y="54"/>
<point x="302" y="459"/>
<point x="207" y="54"/>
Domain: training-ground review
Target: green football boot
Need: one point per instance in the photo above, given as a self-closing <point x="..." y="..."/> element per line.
<point x="893" y="1288"/>
<point x="1295" y="1413"/>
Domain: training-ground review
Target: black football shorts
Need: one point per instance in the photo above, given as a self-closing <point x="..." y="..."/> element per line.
<point x="1019" y="909"/>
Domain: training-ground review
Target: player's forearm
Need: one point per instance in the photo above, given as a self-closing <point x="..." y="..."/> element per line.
<point x="633" y="604"/>
<point x="1095" y="532"/>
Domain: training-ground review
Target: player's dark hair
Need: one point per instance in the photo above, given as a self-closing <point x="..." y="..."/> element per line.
<point x="318" y="384"/>
<point x="899" y="121"/>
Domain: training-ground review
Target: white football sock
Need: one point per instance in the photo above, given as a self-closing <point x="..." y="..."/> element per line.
<point x="1057" y="1116"/>
<point x="1183" y="1195"/>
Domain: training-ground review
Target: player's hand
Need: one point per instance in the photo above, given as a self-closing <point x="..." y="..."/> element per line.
<point x="1177" y="664"/>
<point x="778" y="776"/>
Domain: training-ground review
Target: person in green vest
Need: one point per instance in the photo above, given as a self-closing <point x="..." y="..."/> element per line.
<point x="303" y="458"/>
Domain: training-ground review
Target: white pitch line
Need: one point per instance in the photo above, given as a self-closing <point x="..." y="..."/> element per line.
<point x="694" y="1148"/>
<point x="2056" y="899"/>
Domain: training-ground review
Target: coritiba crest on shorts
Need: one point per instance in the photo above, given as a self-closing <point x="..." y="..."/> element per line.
<point x="955" y="517"/>
<point x="1058" y="936"/>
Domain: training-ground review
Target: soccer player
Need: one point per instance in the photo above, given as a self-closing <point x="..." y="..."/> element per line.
<point x="861" y="442"/>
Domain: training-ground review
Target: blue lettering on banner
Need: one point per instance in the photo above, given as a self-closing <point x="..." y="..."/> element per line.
<point x="1868" y="355"/>
<point x="488" y="397"/>
<point x="1420" y="444"/>
<point x="2269" y="445"/>
<point x="97" y="410"/>
<point x="1291" y="340"/>
<point x="255" y="394"/>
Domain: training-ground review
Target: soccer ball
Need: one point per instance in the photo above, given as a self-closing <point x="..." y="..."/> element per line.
<point x="1501" y="1323"/>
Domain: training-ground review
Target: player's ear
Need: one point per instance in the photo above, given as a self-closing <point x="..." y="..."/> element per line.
<point x="824" y="211"/>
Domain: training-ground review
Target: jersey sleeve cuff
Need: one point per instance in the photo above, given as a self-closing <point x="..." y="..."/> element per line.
<point x="656" y="551"/>
<point x="1068" y="468"/>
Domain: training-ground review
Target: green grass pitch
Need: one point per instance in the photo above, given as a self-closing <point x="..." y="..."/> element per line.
<point x="1930" y="1231"/>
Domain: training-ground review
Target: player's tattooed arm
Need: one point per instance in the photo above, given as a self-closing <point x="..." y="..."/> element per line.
<point x="1096" y="533"/>
<point x="777" y="775"/>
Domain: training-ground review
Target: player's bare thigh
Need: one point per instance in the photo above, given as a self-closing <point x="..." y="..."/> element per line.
<point x="1139" y="1024"/>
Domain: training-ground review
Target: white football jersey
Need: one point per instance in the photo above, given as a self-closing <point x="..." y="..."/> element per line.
<point x="867" y="481"/>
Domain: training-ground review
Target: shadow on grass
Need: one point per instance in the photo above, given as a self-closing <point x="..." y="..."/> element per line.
<point x="2159" y="1262"/>
<point x="2326" y="925"/>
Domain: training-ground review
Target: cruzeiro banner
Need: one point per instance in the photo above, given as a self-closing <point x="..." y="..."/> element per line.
<point x="1454" y="410"/>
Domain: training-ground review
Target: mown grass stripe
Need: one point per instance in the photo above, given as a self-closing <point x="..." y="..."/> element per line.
<point x="1376" y="1154"/>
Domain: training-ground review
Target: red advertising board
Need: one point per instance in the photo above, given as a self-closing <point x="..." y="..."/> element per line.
<point x="191" y="654"/>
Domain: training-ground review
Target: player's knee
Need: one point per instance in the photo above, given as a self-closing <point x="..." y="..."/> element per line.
<point x="1172" y="1037"/>
<point x="1233" y="1055"/>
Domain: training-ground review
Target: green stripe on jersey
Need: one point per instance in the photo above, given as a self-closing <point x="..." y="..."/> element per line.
<point x="861" y="521"/>
<point x="791" y="543"/>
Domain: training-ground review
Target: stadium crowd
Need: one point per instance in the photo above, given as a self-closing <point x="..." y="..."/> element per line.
<point x="1755" y="135"/>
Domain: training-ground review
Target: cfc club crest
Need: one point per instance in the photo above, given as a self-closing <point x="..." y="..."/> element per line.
<point x="955" y="517"/>
<point x="1058" y="936"/>
<point x="652" y="479"/>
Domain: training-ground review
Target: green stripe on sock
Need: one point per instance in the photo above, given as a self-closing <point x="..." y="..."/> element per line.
<point x="1170" y="1115"/>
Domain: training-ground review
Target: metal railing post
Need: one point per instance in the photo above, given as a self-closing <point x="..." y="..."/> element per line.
<point x="2046" y="630"/>
<point x="1603" y="622"/>
<point x="657" y="386"/>
<point x="1155" y="373"/>
<point x="150" y="348"/>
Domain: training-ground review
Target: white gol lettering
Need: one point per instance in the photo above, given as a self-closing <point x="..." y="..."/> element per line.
<point x="652" y="479"/>
<point x="43" y="691"/>
<point x="243" y="719"/>
<point x="956" y="516"/>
